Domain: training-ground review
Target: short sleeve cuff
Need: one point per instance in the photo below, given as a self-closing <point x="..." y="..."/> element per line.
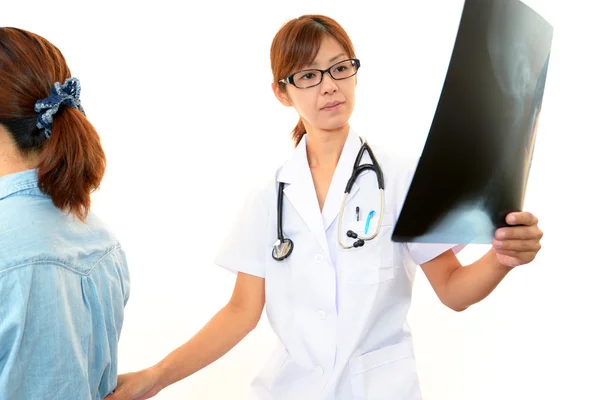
<point x="424" y="252"/>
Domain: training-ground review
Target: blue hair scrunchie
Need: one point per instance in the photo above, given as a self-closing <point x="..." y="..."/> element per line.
<point x="66" y="94"/>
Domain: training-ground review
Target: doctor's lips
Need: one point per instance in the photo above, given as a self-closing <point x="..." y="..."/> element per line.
<point x="332" y="106"/>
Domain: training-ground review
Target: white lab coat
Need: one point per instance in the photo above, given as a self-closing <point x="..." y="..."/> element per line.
<point x="340" y="315"/>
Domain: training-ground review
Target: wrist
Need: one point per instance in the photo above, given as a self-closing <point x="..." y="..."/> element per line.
<point x="492" y="260"/>
<point x="160" y="373"/>
<point x="502" y="267"/>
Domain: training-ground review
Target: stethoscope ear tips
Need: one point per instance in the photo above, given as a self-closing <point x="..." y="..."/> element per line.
<point x="359" y="243"/>
<point x="354" y="235"/>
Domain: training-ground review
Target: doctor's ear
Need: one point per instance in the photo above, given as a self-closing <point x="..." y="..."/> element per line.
<point x="281" y="95"/>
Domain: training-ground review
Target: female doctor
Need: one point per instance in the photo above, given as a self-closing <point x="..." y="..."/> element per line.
<point x="337" y="288"/>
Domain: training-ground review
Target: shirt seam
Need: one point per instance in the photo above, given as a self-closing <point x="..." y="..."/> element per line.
<point x="63" y="265"/>
<point x="18" y="188"/>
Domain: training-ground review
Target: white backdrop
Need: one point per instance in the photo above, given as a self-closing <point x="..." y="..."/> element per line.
<point x="180" y="92"/>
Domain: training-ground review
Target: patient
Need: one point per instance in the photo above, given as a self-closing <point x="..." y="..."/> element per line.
<point x="64" y="280"/>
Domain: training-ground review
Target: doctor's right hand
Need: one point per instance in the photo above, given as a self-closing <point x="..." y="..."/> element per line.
<point x="139" y="385"/>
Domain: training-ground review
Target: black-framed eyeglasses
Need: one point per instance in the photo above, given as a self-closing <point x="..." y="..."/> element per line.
<point x="307" y="78"/>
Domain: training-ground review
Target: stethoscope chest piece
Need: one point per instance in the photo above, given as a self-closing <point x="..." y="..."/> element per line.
<point x="282" y="249"/>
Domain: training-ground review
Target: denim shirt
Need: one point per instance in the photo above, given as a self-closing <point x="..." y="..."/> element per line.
<point x="63" y="288"/>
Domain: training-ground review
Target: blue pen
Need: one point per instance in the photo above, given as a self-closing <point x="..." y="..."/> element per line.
<point x="369" y="220"/>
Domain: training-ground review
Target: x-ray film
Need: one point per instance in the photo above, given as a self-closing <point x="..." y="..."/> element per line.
<point x="475" y="164"/>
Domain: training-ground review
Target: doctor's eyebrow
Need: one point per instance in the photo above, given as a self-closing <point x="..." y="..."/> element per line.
<point x="332" y="59"/>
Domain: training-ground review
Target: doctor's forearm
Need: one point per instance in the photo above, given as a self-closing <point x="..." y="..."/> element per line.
<point x="472" y="283"/>
<point x="226" y="329"/>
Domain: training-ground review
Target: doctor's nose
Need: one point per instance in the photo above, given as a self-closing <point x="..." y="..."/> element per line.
<point x="328" y="85"/>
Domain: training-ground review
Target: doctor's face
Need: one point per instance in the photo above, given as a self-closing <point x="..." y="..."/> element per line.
<point x="328" y="105"/>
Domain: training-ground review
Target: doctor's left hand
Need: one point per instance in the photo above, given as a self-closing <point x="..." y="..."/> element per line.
<point x="518" y="245"/>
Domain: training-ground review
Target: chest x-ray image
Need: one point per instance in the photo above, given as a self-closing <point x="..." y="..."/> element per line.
<point x="474" y="167"/>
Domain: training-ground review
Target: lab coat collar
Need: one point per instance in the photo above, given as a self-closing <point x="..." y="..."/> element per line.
<point x="301" y="190"/>
<point x="342" y="174"/>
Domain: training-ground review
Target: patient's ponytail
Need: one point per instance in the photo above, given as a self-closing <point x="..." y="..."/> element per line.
<point x="40" y="108"/>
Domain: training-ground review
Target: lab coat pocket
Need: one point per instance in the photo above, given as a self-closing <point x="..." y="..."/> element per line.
<point x="388" y="373"/>
<point x="374" y="262"/>
<point x="368" y="227"/>
<point x="389" y="219"/>
<point x="265" y="380"/>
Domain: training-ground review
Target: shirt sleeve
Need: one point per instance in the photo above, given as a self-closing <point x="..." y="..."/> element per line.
<point x="424" y="252"/>
<point x="245" y="247"/>
<point x="43" y="347"/>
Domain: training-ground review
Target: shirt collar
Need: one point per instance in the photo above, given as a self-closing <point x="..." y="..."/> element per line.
<point x="16" y="182"/>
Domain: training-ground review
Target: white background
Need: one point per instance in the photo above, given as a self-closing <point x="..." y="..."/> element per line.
<point x="180" y="93"/>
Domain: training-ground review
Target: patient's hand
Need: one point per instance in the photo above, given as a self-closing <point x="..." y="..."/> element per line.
<point x="139" y="385"/>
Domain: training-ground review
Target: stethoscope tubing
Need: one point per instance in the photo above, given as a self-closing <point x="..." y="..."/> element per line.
<point x="283" y="246"/>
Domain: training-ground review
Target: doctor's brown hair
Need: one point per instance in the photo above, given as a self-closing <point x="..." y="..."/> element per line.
<point x="71" y="162"/>
<point x="296" y="45"/>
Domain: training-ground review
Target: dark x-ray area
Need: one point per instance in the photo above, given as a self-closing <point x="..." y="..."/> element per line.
<point x="474" y="167"/>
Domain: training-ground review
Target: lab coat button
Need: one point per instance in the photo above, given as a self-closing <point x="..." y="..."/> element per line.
<point x="321" y="314"/>
<point x="319" y="258"/>
<point x="319" y="371"/>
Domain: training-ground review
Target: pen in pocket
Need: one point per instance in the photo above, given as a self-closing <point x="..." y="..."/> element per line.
<point x="369" y="220"/>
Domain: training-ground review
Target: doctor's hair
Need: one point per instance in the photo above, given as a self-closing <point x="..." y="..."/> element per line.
<point x="296" y="45"/>
<point x="71" y="161"/>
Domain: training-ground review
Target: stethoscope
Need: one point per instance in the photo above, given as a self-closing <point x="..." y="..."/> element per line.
<point x="283" y="246"/>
